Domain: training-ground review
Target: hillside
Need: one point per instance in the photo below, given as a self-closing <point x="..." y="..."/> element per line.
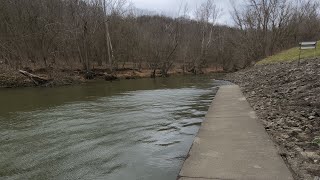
<point x="292" y="55"/>
<point x="286" y="99"/>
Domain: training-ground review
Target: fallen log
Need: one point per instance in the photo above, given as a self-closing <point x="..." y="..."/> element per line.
<point x="37" y="80"/>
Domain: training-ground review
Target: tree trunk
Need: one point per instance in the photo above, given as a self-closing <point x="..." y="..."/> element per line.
<point x="37" y="80"/>
<point x="107" y="38"/>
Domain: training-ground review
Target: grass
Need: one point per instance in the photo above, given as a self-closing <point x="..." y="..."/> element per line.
<point x="291" y="55"/>
<point x="316" y="140"/>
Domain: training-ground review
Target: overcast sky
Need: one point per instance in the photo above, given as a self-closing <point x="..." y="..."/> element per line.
<point x="170" y="7"/>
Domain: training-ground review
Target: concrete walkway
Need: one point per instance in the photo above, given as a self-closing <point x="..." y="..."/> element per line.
<point x="232" y="144"/>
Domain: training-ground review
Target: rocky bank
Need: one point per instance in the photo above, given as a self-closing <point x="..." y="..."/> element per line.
<point x="286" y="97"/>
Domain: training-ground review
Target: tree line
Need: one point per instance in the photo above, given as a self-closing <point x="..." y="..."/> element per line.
<point x="113" y="34"/>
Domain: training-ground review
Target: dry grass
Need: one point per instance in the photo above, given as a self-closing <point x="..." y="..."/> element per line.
<point x="291" y="55"/>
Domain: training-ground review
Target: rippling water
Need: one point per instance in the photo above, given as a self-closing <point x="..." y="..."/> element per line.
<point x="139" y="129"/>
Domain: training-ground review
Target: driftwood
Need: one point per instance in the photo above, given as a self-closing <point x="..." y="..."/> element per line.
<point x="37" y="80"/>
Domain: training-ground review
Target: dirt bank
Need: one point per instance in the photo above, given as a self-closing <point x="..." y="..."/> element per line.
<point x="61" y="77"/>
<point x="286" y="98"/>
<point x="13" y="79"/>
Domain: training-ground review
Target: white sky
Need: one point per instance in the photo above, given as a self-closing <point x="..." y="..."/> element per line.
<point x="171" y="7"/>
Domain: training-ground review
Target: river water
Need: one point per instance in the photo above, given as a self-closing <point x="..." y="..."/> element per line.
<point x="134" y="129"/>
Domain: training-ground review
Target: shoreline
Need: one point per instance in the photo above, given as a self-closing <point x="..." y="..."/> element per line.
<point x="286" y="99"/>
<point x="232" y="143"/>
<point x="60" y="77"/>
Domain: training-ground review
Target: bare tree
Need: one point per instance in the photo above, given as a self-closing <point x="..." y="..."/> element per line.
<point x="86" y="34"/>
<point x="206" y="14"/>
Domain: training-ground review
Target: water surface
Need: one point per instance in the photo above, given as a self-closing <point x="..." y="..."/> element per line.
<point x="134" y="129"/>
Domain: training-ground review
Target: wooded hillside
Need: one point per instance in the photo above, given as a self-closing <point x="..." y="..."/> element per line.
<point x="110" y="34"/>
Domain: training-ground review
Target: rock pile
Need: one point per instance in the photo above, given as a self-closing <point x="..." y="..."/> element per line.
<point x="286" y="98"/>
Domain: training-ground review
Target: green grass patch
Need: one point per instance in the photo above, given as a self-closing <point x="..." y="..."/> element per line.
<point x="291" y="55"/>
<point x="316" y="140"/>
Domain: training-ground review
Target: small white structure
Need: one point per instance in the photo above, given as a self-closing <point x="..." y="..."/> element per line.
<point x="307" y="45"/>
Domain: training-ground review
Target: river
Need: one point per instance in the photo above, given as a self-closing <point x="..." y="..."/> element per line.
<point x="133" y="129"/>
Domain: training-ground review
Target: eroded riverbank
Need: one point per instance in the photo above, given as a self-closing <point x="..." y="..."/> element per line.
<point x="63" y="77"/>
<point x="286" y="98"/>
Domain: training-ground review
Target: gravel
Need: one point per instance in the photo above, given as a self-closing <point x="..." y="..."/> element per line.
<point x="286" y="97"/>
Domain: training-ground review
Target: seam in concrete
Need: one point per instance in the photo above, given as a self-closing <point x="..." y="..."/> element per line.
<point x="204" y="178"/>
<point x="219" y="117"/>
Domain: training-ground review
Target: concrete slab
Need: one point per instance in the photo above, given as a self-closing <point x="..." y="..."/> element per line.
<point x="232" y="144"/>
<point x="185" y="178"/>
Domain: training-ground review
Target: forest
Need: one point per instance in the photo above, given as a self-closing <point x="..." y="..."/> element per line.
<point x="113" y="34"/>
